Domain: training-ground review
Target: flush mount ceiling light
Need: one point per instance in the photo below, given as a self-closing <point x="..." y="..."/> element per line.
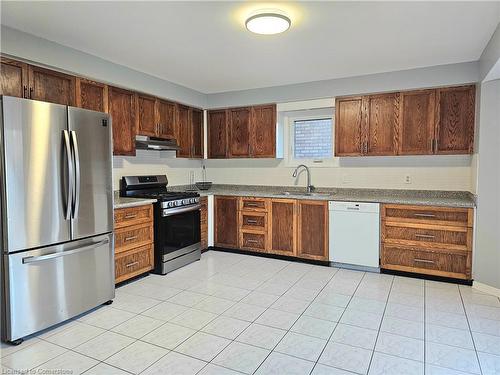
<point x="268" y="23"/>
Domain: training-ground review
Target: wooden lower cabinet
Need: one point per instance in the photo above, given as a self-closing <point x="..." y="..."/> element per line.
<point x="427" y="239"/>
<point x="134" y="241"/>
<point x="290" y="227"/>
<point x="283" y="227"/>
<point x="226" y="221"/>
<point x="204" y="223"/>
<point x="312" y="229"/>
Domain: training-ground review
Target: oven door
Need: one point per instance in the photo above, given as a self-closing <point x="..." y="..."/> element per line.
<point x="177" y="232"/>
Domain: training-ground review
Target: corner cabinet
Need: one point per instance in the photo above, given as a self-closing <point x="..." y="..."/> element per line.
<point x="418" y="122"/>
<point x="217" y="134"/>
<point x="122" y="108"/>
<point x="312" y="233"/>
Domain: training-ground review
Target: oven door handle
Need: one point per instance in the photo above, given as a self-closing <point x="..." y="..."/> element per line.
<point x="180" y="210"/>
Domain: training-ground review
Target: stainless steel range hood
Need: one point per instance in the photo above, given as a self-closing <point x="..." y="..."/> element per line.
<point x="143" y="142"/>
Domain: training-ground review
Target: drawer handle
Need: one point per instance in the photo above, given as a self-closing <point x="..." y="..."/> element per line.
<point x="251" y="221"/>
<point x="131" y="238"/>
<point x="252" y="241"/>
<point x="423" y="261"/>
<point x="251" y="204"/>
<point x="425" y="215"/>
<point x="130" y="216"/>
<point x="424" y="236"/>
<point x="131" y="264"/>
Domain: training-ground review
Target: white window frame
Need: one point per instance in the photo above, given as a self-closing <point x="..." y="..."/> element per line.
<point x="289" y="122"/>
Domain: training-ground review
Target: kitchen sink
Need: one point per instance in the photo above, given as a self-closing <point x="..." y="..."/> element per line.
<point x="301" y="193"/>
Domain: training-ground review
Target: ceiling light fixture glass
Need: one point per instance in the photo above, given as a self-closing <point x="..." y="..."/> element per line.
<point x="268" y="23"/>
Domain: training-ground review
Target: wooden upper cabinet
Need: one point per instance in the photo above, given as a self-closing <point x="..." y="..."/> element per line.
<point x="239" y="132"/>
<point x="197" y="133"/>
<point x="183" y="131"/>
<point x="147" y="123"/>
<point x="380" y="118"/>
<point x="14" y="78"/>
<point x="312" y="236"/>
<point x="283" y="227"/>
<point x="455" y="111"/>
<point x="122" y="108"/>
<point x="91" y="95"/>
<point x="166" y="119"/>
<point x="217" y="133"/>
<point x="348" y="132"/>
<point x="226" y="221"/>
<point x="416" y="122"/>
<point x="263" y="131"/>
<point x="50" y="86"/>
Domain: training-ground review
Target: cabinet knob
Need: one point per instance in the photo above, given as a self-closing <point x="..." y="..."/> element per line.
<point x="31" y="93"/>
<point x="25" y="89"/>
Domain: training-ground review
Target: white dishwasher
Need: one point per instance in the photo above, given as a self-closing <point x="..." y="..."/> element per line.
<point x="354" y="234"/>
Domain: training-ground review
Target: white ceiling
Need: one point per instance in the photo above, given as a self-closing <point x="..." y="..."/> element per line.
<point x="205" y="46"/>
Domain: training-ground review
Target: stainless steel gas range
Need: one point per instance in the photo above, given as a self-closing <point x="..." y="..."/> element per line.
<point x="176" y="220"/>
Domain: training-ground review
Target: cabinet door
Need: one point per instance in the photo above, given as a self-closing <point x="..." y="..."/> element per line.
<point x="348" y="126"/>
<point x="226" y="221"/>
<point x="455" y="107"/>
<point x="263" y="131"/>
<point x="217" y="134"/>
<point x="283" y="227"/>
<point x="416" y="128"/>
<point x="183" y="131"/>
<point x="14" y="78"/>
<point x="122" y="108"/>
<point x="196" y="133"/>
<point x="312" y="236"/>
<point x="166" y="119"/>
<point x="204" y="222"/>
<point x="381" y="122"/>
<point x="239" y="132"/>
<point x="50" y="86"/>
<point x="91" y="95"/>
<point x="147" y="122"/>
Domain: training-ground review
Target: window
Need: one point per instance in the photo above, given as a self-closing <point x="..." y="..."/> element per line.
<point x="310" y="137"/>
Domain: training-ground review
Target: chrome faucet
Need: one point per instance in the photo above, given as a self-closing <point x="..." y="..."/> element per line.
<point x="309" y="187"/>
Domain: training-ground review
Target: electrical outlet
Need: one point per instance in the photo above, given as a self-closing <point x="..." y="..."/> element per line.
<point x="407" y="179"/>
<point x="346" y="179"/>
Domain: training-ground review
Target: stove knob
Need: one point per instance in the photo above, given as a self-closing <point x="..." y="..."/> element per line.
<point x="171" y="204"/>
<point x="186" y="201"/>
<point x="178" y="203"/>
<point x="192" y="200"/>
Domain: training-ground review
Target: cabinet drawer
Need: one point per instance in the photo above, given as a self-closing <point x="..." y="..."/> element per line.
<point x="253" y="204"/>
<point x="132" y="263"/>
<point x="426" y="261"/>
<point x="454" y="237"/>
<point x="133" y="215"/>
<point x="428" y="214"/>
<point x="253" y="241"/>
<point x="134" y="236"/>
<point x="256" y="221"/>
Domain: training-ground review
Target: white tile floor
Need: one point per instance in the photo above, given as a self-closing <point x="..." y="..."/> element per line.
<point x="232" y="314"/>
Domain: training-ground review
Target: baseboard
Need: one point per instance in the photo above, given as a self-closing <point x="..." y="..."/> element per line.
<point x="486" y="288"/>
<point x="269" y="255"/>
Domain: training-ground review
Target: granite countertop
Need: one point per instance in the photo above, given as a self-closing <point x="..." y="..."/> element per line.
<point x="415" y="197"/>
<point x="122" y="202"/>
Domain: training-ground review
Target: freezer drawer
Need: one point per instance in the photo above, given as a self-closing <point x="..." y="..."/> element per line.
<point x="47" y="286"/>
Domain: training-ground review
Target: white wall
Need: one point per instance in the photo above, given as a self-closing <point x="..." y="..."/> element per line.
<point x="154" y="162"/>
<point x="53" y="55"/>
<point x="486" y="265"/>
<point x="428" y="173"/>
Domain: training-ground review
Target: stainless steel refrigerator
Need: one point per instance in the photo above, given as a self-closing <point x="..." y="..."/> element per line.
<point x="57" y="214"/>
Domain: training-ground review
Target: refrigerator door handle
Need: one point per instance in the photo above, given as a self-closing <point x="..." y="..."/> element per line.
<point x="76" y="157"/>
<point x="69" y="165"/>
<point x="41" y="258"/>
